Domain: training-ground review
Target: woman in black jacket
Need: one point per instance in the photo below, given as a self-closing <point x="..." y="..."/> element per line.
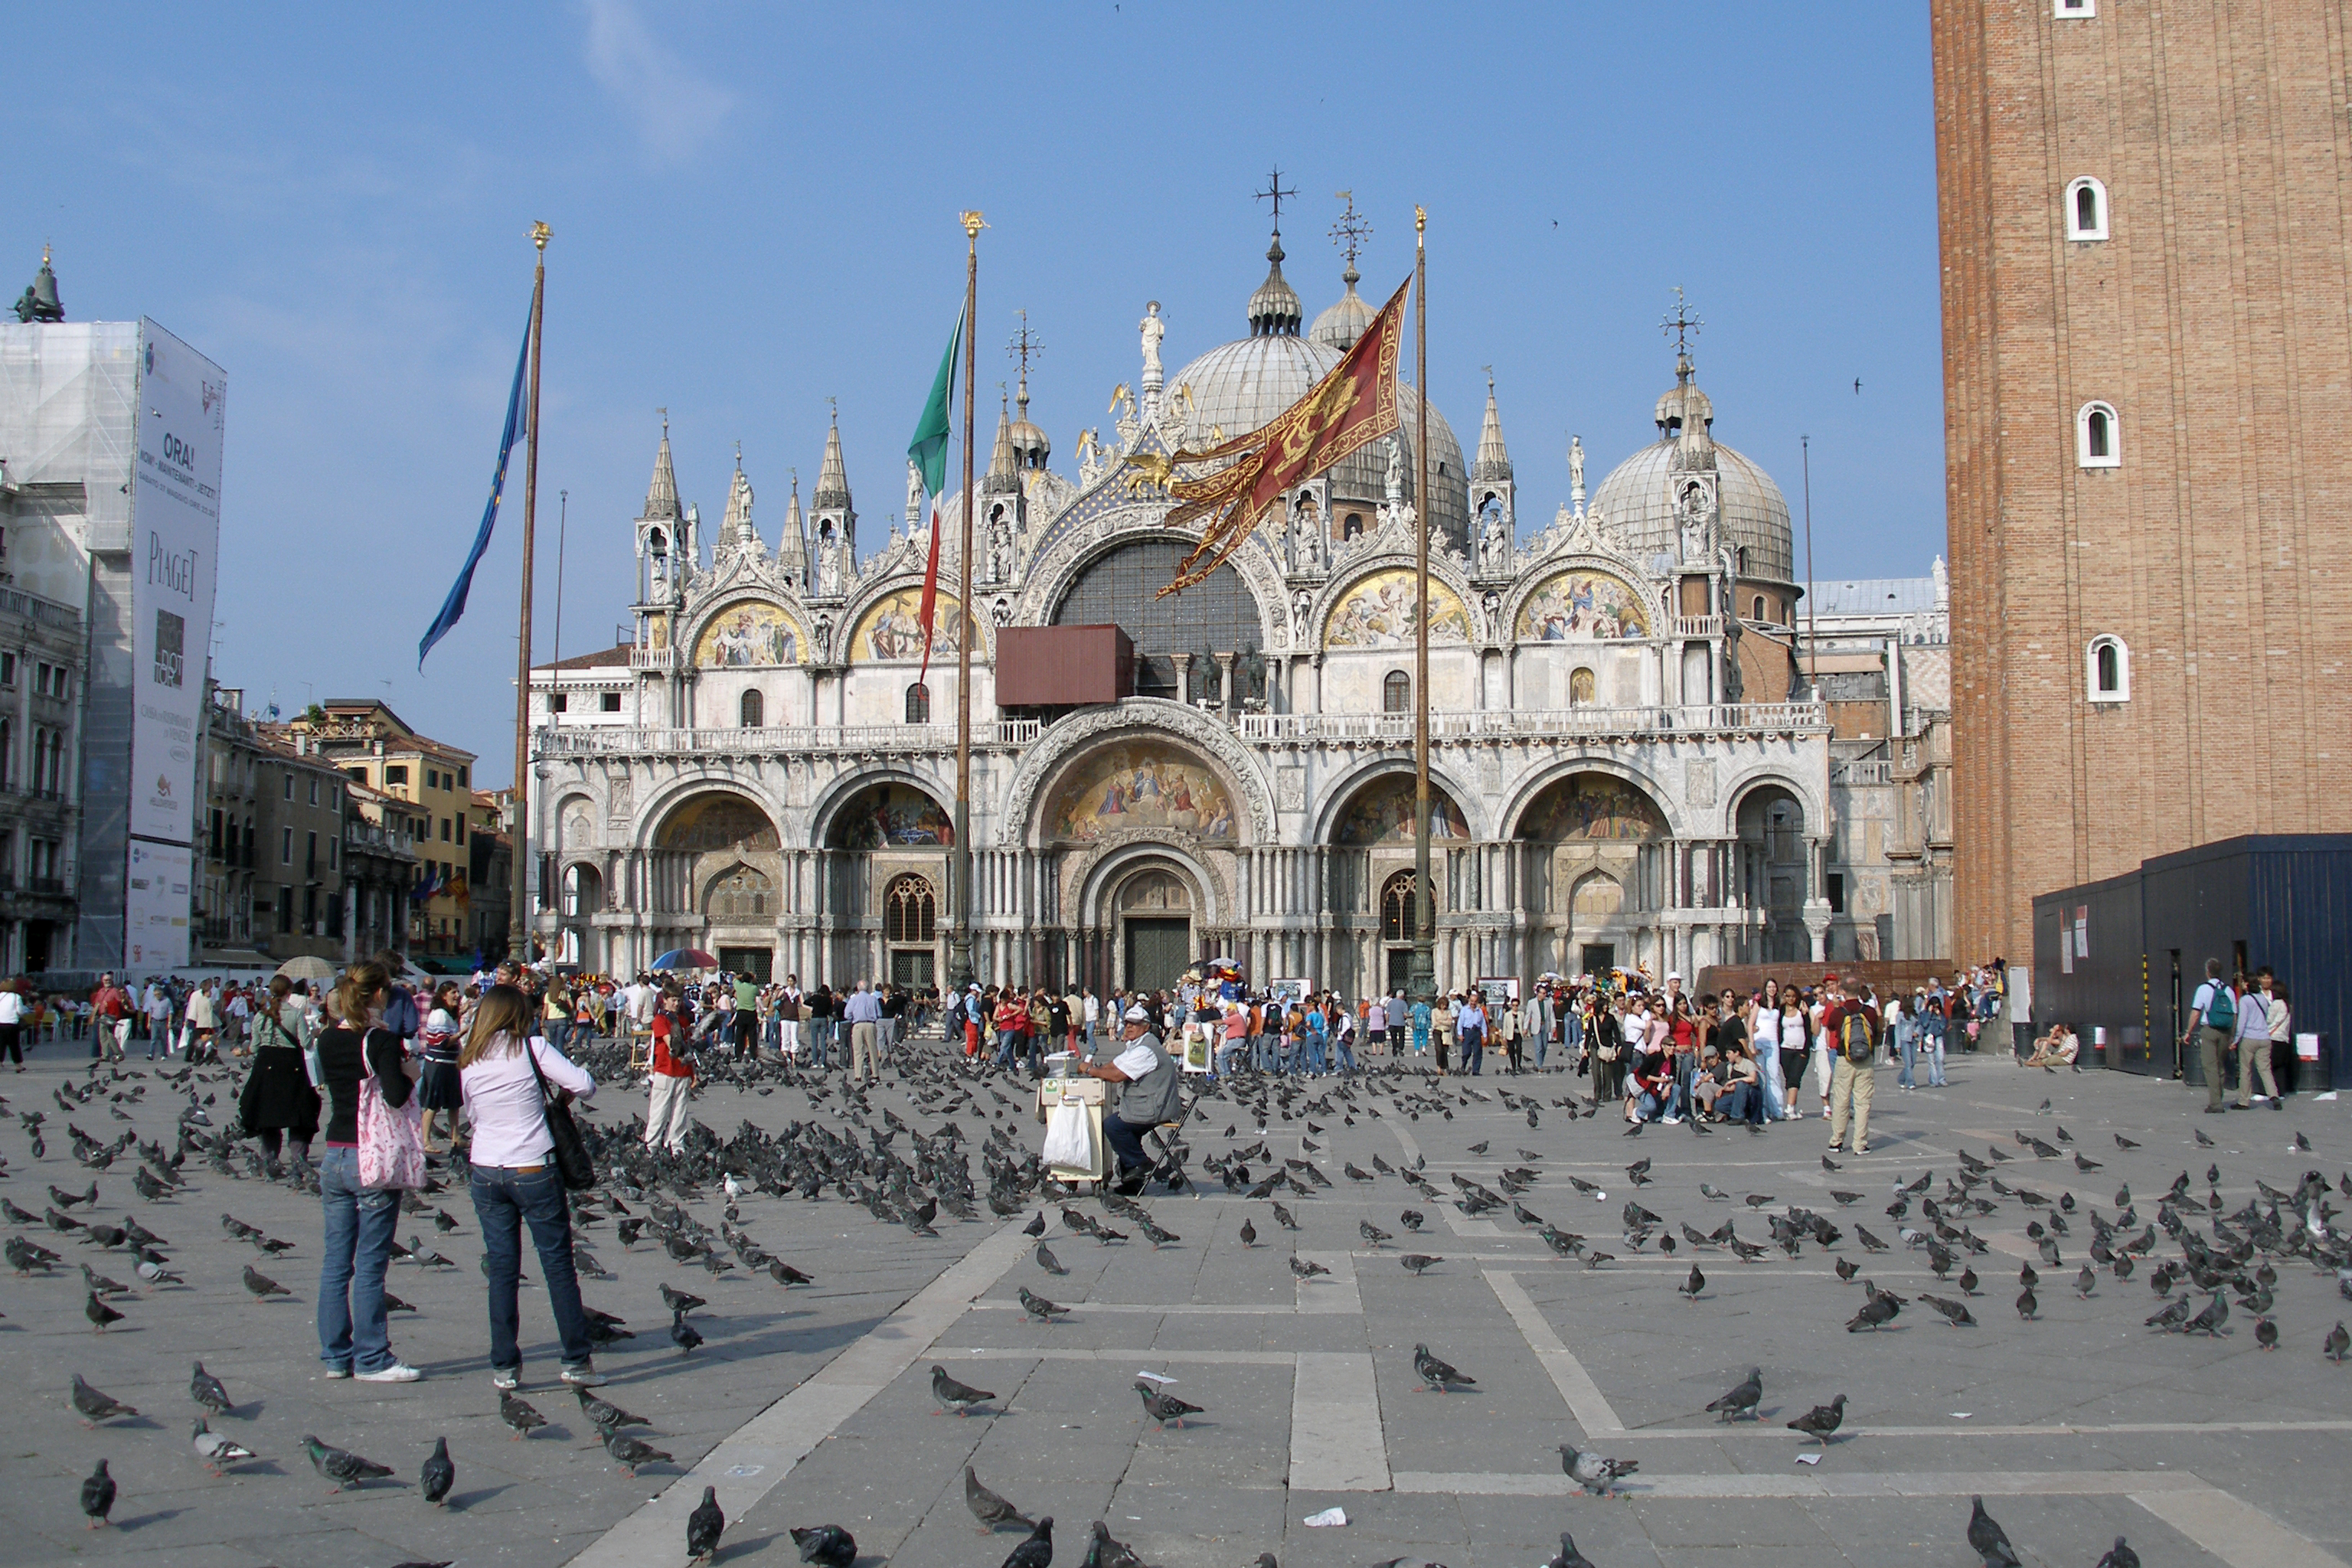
<point x="354" y="1336"/>
<point x="277" y="1099"/>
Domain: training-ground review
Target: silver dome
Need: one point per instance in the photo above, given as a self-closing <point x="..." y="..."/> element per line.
<point x="1240" y="385"/>
<point x="1345" y="319"/>
<point x="1636" y="505"/>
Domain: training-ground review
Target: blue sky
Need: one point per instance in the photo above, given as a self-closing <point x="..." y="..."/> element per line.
<point x="754" y="210"/>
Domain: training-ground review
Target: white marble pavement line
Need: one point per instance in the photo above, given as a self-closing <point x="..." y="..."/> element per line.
<point x="1144" y="1356"/>
<point x="1457" y="1222"/>
<point x="1333" y="1293"/>
<point x="1337" y="1442"/>
<point x="1585" y="1401"/>
<point x="2235" y="1532"/>
<point x="752" y="1460"/>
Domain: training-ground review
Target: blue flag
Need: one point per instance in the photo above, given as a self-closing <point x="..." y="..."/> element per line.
<point x="453" y="607"/>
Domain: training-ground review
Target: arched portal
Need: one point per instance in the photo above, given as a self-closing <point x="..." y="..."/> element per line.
<point x="1154" y="909"/>
<point x="1371" y="857"/>
<point x="714" y="868"/>
<point x="1596" y="873"/>
<point x="1774" y="873"/>
<point x="886" y="855"/>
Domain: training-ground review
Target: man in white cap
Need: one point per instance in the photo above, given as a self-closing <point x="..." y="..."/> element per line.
<point x="1151" y="1096"/>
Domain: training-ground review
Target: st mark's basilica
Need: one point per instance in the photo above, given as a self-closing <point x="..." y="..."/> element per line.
<point x="1621" y="775"/>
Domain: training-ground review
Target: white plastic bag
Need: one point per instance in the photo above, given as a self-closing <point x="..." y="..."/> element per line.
<point x="1069" y="1138"/>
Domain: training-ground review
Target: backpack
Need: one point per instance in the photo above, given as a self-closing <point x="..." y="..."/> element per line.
<point x="1856" y="1037"/>
<point x="2221" y="1008"/>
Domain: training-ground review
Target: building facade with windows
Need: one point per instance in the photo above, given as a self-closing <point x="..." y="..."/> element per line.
<point x="43" y="662"/>
<point x="273" y="878"/>
<point x="2146" y="248"/>
<point x="1625" y="771"/>
<point x="421" y="791"/>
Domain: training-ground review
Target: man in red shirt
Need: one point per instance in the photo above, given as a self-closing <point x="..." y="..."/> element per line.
<point x="673" y="1080"/>
<point x="110" y="1007"/>
<point x="1851" y="1024"/>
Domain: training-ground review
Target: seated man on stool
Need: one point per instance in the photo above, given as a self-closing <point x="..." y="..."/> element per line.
<point x="1149" y="1097"/>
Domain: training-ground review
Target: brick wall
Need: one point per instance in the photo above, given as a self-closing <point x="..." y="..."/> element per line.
<point x="2215" y="320"/>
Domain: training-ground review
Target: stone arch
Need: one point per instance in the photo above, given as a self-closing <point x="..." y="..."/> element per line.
<point x="880" y="809"/>
<point x="736" y="894"/>
<point x="1342" y="793"/>
<point x="1104" y="870"/>
<point x="755" y="628"/>
<point x="1525" y="594"/>
<point x="1511" y="819"/>
<point x="1149" y="939"/>
<point x="899" y="596"/>
<point x="1773" y="825"/>
<point x="1058" y="567"/>
<point x="575" y="818"/>
<point x="1769" y="775"/>
<point x="697" y="834"/>
<point x="1136" y="721"/>
<point x="1359" y="573"/>
<point x="662" y="800"/>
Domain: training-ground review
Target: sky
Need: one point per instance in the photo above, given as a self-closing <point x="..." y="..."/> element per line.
<point x="754" y="222"/>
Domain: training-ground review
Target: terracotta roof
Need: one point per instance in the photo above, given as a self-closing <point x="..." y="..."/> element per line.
<point x="603" y="658"/>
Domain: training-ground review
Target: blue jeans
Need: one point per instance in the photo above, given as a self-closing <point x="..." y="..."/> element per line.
<point x="1126" y="1140"/>
<point x="1008" y="1047"/>
<point x="503" y="1200"/>
<point x="557" y="1031"/>
<point x="1741" y="1102"/>
<point x="1347" y="1055"/>
<point x="1932" y="1048"/>
<point x="352" y="1328"/>
<point x="1908" y="1039"/>
<point x="1316" y="1061"/>
<point x="1473" y="1053"/>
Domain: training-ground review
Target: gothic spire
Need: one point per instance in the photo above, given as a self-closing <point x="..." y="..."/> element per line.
<point x="1003" y="473"/>
<point x="661" y="495"/>
<point x="831" y="478"/>
<point x="1494" y="462"/>
<point x="795" y="528"/>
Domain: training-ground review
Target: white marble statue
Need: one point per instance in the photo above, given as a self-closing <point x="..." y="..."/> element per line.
<point x="1153" y="328"/>
<point x="1576" y="463"/>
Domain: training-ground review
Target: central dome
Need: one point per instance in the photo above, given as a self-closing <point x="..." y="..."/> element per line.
<point x="1242" y="385"/>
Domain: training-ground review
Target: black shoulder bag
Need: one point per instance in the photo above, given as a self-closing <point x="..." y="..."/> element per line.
<point x="571" y="1151"/>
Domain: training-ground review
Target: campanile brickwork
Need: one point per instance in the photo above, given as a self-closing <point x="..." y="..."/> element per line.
<point x="2216" y="319"/>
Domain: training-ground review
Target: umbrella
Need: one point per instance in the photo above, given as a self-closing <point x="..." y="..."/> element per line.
<point x="307" y="968"/>
<point x="686" y="958"/>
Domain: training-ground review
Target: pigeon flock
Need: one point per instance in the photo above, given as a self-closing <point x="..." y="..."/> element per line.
<point x="946" y="1145"/>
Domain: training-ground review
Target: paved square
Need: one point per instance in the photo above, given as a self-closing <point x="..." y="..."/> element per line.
<point x="813" y="1404"/>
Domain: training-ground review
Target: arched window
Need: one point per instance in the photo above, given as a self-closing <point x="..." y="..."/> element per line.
<point x="754" y="709"/>
<point x="2108" y="670"/>
<point x="1759" y="613"/>
<point x="918" y="703"/>
<point x="1743" y="561"/>
<point x="1396" y="906"/>
<point x="2098" y="437"/>
<point x="910" y="910"/>
<point x="1352" y="526"/>
<point x="1581" y="687"/>
<point x="1396" y="692"/>
<point x="2086" y="210"/>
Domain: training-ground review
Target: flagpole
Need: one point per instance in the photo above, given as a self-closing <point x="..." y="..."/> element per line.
<point x="518" y="926"/>
<point x="1423" y="978"/>
<point x="960" y="940"/>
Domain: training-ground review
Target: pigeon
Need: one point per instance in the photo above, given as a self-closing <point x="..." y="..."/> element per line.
<point x="1282" y="1216"/>
<point x="261" y="1285"/>
<point x="1713" y="1194"/>
<point x="1412" y="1219"/>
<point x="1040" y="1309"/>
<point x="1248" y="1233"/>
<point x="2028" y="1304"/>
<point x="987" y="1507"/>
<point x="2336" y="1342"/>
<point x="1415" y="1263"/>
<point x="784" y="1274"/>
<point x="1956" y="1313"/>
<point x="93" y="1406"/>
<point x="1876" y="1314"/>
<point x="2210" y="1321"/>
<point x="682" y="1334"/>
<point x="1374" y="1234"/>
<point x="1435" y="1374"/>
<point x="827" y="1546"/>
<point x="1988" y="1540"/>
<point x="1570" y="1557"/>
<point x="1106" y="1551"/>
<point x="1037" y="1551"/>
<point x="98" y="1494"/>
<point x="438" y="1475"/>
<point x="630" y="1452"/>
<point x="1638" y="1173"/>
<point x="1594" y="1473"/>
<point x="2119" y="1555"/>
<point x="605" y="1414"/>
<point x="1691" y="1287"/>
<point x="2124" y="1143"/>
<point x="208" y="1391"/>
<point x="214" y="1450"/>
<point x="1036" y="1226"/>
<point x="1164" y="1407"/>
<point x="1968" y="1281"/>
<point x="1741" y="1399"/>
<point x="98" y="1313"/>
<point x="1303" y="1269"/>
<point x="680" y="1302"/>
<point x="1821" y="1420"/>
<point x="519" y="1414"/>
<point x="703" y="1526"/>
<point x="2173" y="1315"/>
<point x="2265" y="1333"/>
<point x="959" y="1397"/>
<point x="346" y="1469"/>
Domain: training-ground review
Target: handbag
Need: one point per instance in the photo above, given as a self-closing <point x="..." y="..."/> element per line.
<point x="570" y="1150"/>
<point x="391" y="1139"/>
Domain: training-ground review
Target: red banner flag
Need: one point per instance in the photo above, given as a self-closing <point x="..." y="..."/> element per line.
<point x="931" y="594"/>
<point x="1351" y="406"/>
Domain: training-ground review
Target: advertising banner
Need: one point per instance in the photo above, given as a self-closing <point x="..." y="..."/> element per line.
<point x="175" y="549"/>
<point x="156" y="906"/>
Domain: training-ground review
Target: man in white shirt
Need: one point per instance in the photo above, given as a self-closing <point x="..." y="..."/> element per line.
<point x="1152" y="1095"/>
<point x="788" y="1015"/>
<point x="2213" y="1022"/>
<point x="1093" y="1011"/>
<point x="12" y="1024"/>
<point x="863" y="1012"/>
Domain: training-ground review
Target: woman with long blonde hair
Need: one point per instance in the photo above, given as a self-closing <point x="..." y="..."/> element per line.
<point x="354" y="1336"/>
<point x="515" y="1183"/>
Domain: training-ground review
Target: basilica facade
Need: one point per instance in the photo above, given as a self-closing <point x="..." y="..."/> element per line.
<point x="1625" y="770"/>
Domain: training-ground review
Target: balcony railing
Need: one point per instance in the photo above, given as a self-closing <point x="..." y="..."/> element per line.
<point x="1698" y="625"/>
<point x="1567" y="723"/>
<point x="661" y="659"/>
<point x="617" y="741"/>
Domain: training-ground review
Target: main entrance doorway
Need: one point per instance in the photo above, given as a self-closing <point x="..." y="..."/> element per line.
<point x="1400" y="968"/>
<point x="1600" y="957"/>
<point x="1157" y="950"/>
<point x="911" y="967"/>
<point x="754" y="961"/>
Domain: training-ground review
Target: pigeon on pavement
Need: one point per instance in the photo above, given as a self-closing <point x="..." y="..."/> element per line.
<point x="1570" y="1557"/>
<point x="1821" y="1421"/>
<point x="214" y="1450"/>
<point x="605" y="1414"/>
<point x="93" y="1406"/>
<point x="438" y="1474"/>
<point x="1415" y="1263"/>
<point x="1435" y="1374"/>
<point x="987" y="1507"/>
<point x="2119" y="1555"/>
<point x="208" y="1391"/>
<point x="262" y="1286"/>
<point x="1164" y="1407"/>
<point x="1594" y="1472"/>
<point x="1106" y="1551"/>
<point x="346" y="1469"/>
<point x="826" y="1546"/>
<point x="1037" y="1551"/>
<point x="1989" y="1541"/>
<point x="1741" y="1399"/>
<point x="959" y="1397"/>
<point x="1691" y="1287"/>
<point x="630" y="1452"/>
<point x="703" y="1526"/>
<point x="98" y="1494"/>
<point x="1037" y="1307"/>
<point x="519" y="1414"/>
<point x="1048" y="1261"/>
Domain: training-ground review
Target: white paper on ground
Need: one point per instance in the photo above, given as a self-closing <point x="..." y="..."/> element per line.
<point x="1155" y="1377"/>
<point x="1328" y="1516"/>
<point x="1809" y="1459"/>
<point x="1963" y="1414"/>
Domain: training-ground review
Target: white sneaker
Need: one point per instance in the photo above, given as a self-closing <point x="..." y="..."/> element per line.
<point x="1670" y="1121"/>
<point x="398" y="1372"/>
